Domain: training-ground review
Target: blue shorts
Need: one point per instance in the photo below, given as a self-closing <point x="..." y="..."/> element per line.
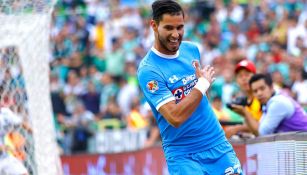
<point x="219" y="160"/>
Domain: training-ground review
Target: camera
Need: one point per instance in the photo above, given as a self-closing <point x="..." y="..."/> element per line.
<point x="242" y="101"/>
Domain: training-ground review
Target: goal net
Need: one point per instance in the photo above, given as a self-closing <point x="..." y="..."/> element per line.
<point x="24" y="80"/>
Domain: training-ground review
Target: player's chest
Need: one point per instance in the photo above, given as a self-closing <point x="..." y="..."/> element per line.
<point x="181" y="79"/>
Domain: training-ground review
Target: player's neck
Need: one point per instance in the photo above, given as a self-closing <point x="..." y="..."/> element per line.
<point x="163" y="55"/>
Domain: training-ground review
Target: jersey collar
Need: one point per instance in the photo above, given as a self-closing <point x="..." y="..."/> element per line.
<point x="164" y="55"/>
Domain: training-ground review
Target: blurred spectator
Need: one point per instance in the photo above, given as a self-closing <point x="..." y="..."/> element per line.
<point x="228" y="88"/>
<point x="299" y="88"/>
<point x="135" y="119"/>
<point x="72" y="89"/>
<point x="244" y="71"/>
<point x="98" y="36"/>
<point x="154" y="132"/>
<point x="81" y="120"/>
<point x="108" y="91"/>
<point x="295" y="31"/>
<point x="57" y="96"/>
<point x="126" y="93"/>
<point x="115" y="59"/>
<point x="112" y="110"/>
<point x="94" y="75"/>
<point x="91" y="99"/>
<point x="218" y="109"/>
<point x="292" y="117"/>
<point x="278" y="80"/>
<point x="16" y="144"/>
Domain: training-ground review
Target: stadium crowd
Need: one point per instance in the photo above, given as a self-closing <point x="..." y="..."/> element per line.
<point x="98" y="44"/>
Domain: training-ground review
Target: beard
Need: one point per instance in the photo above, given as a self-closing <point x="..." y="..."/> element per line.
<point x="165" y="44"/>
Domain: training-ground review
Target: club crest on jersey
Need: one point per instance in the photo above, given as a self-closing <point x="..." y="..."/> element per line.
<point x="152" y="86"/>
<point x="178" y="93"/>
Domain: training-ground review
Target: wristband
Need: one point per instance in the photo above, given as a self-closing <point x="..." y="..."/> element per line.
<point x="202" y="85"/>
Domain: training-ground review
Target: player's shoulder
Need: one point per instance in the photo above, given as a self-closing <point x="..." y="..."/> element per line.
<point x="147" y="63"/>
<point x="189" y="45"/>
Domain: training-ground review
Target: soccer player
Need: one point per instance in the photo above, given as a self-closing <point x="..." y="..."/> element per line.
<point x="8" y="163"/>
<point x="175" y="87"/>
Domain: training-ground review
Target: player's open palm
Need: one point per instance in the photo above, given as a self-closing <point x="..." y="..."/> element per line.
<point x="198" y="70"/>
<point x="207" y="72"/>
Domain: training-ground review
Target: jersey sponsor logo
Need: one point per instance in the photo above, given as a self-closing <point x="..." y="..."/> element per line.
<point x="183" y="91"/>
<point x="186" y="79"/>
<point x="152" y="86"/>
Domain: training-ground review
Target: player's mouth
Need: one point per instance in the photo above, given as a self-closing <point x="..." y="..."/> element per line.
<point x="174" y="42"/>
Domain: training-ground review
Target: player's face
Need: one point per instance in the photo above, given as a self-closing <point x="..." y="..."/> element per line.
<point x="243" y="76"/>
<point x="262" y="91"/>
<point x="169" y="33"/>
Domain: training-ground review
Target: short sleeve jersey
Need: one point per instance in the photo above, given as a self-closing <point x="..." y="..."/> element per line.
<point x="164" y="78"/>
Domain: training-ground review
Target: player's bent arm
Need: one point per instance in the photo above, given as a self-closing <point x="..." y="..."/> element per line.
<point x="176" y="114"/>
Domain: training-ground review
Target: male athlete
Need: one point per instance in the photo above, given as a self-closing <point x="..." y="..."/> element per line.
<point x="9" y="165"/>
<point x="175" y="87"/>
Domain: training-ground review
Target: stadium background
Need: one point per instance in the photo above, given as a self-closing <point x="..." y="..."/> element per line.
<point x="102" y="120"/>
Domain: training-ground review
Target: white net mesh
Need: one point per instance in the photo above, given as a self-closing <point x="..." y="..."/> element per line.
<point x="24" y="82"/>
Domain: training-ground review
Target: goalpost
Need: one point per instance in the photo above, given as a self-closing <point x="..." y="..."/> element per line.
<point x="24" y="78"/>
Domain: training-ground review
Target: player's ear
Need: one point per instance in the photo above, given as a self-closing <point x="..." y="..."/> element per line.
<point x="154" y="25"/>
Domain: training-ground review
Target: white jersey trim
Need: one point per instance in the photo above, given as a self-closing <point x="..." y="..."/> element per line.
<point x="164" y="102"/>
<point x="164" y="55"/>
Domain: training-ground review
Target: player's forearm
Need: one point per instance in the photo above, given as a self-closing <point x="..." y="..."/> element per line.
<point x="176" y="114"/>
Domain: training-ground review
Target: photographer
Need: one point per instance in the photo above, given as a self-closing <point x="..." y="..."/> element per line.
<point x="244" y="70"/>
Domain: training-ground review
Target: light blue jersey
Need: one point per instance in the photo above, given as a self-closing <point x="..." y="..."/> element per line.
<point x="164" y="78"/>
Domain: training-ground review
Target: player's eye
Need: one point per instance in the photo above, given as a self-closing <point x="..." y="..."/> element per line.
<point x="169" y="27"/>
<point x="180" y="27"/>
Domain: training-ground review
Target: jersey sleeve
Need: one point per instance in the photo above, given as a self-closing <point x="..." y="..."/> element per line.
<point x="154" y="87"/>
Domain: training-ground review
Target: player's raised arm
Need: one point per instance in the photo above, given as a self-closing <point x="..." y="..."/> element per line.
<point x="178" y="113"/>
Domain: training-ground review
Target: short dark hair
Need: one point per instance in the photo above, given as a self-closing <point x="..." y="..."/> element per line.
<point x="161" y="7"/>
<point x="266" y="77"/>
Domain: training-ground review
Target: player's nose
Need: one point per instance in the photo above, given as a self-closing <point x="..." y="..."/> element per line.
<point x="175" y="34"/>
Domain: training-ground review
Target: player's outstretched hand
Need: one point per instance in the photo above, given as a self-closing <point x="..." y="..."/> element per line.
<point x="198" y="70"/>
<point x="207" y="72"/>
<point x="205" y="77"/>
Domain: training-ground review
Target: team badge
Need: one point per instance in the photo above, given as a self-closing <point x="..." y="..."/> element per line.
<point x="152" y="86"/>
<point x="178" y="93"/>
